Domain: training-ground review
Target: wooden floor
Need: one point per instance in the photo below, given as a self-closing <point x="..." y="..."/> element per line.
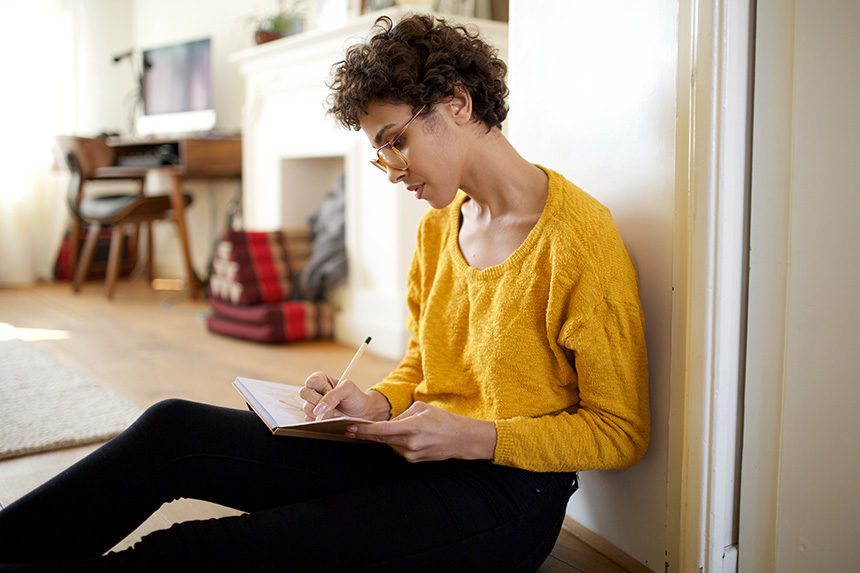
<point x="149" y="345"/>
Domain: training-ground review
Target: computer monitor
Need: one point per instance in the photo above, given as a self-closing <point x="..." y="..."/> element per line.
<point x="176" y="88"/>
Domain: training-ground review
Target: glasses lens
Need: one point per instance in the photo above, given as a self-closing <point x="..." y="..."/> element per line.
<point x="392" y="158"/>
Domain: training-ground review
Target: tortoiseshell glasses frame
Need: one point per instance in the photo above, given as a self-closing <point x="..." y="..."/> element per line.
<point x="387" y="155"/>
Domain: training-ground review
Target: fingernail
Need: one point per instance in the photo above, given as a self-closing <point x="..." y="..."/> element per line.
<point x="321" y="408"/>
<point x="352" y="429"/>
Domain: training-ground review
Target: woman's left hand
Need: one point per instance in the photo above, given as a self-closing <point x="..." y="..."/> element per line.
<point x="426" y="433"/>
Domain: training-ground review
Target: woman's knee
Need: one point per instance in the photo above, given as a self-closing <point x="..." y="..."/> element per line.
<point x="163" y="431"/>
<point x="168" y="409"/>
<point x="167" y="415"/>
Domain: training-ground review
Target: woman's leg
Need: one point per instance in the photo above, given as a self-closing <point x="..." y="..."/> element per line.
<point x="445" y="516"/>
<point x="312" y="504"/>
<point x="177" y="449"/>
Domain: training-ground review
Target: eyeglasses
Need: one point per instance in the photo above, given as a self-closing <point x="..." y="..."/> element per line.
<point x="389" y="156"/>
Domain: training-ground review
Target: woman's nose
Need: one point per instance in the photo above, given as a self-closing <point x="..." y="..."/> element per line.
<point x="396" y="175"/>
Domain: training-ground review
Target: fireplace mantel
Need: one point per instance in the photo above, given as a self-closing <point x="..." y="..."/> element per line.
<point x="293" y="153"/>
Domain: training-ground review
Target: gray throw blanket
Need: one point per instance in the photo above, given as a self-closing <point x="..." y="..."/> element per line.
<point x="327" y="265"/>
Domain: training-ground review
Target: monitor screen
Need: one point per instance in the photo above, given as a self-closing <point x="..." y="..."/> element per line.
<point x="177" y="88"/>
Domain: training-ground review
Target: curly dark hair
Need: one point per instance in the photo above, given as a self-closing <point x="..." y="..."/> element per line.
<point x="420" y="61"/>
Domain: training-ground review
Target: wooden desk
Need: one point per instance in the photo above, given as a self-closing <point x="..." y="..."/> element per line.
<point x="213" y="157"/>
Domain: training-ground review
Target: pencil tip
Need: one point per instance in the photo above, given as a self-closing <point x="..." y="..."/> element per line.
<point x="367" y="340"/>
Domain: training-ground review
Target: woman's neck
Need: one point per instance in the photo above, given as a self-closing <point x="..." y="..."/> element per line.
<point x="500" y="182"/>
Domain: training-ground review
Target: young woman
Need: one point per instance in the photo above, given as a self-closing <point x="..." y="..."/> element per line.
<point x="526" y="364"/>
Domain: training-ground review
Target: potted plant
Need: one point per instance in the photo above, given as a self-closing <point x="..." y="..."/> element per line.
<point x="288" y="20"/>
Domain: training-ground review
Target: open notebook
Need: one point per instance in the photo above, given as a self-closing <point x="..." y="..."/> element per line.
<point x="280" y="408"/>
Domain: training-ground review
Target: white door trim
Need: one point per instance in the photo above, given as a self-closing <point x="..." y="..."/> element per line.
<point x="714" y="86"/>
<point x="770" y="212"/>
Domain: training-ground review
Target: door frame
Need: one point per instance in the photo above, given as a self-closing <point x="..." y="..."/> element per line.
<point x="709" y="325"/>
<point x="770" y="213"/>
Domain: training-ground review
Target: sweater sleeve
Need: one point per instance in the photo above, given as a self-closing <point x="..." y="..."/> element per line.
<point x="610" y="426"/>
<point x="399" y="386"/>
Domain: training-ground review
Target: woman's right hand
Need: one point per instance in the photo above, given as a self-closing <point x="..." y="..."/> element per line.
<point x="323" y="398"/>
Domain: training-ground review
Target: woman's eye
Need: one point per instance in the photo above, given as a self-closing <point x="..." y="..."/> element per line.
<point x="398" y="143"/>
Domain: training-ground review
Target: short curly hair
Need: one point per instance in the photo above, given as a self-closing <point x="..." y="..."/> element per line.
<point x="420" y="61"/>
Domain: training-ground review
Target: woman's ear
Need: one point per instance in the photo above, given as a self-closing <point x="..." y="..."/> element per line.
<point x="461" y="105"/>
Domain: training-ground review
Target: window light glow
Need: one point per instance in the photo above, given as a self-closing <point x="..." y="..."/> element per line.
<point x="9" y="332"/>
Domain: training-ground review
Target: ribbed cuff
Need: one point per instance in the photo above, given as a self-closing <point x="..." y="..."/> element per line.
<point x="504" y="454"/>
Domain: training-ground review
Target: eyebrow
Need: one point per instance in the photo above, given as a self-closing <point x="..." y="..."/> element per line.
<point x="381" y="131"/>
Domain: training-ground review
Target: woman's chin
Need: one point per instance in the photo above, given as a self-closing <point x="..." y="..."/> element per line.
<point x="438" y="200"/>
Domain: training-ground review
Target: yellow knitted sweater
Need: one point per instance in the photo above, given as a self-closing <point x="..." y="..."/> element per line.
<point x="548" y="344"/>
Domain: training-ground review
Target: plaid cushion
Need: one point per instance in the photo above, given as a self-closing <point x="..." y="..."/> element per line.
<point x="254" y="267"/>
<point x="285" y="321"/>
<point x="251" y="292"/>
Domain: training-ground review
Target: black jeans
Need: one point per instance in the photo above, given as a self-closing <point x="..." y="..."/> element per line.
<point x="310" y="505"/>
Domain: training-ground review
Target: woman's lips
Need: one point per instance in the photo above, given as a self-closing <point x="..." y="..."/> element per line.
<point x="417" y="189"/>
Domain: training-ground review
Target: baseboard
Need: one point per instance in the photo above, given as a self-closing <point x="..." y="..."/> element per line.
<point x="603" y="547"/>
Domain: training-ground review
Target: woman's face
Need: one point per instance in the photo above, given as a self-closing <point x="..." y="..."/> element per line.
<point x="429" y="145"/>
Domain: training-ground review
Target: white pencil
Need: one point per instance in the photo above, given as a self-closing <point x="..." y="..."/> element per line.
<point x="349" y="366"/>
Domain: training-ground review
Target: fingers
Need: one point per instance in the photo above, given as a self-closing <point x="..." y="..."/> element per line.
<point x="320" y="382"/>
<point x="346" y="391"/>
<point x="399" y="436"/>
<point x="402" y="425"/>
<point x="413" y="434"/>
<point x="414" y="409"/>
<point x="316" y="385"/>
<point x="391" y="433"/>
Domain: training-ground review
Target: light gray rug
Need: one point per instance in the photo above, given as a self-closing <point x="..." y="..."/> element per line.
<point x="45" y="405"/>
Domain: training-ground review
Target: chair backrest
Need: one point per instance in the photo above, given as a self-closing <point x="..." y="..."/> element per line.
<point x="83" y="155"/>
<point x="89" y="153"/>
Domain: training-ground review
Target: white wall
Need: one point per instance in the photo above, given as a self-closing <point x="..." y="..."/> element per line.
<point x="104" y="90"/>
<point x="802" y="438"/>
<point x="593" y="96"/>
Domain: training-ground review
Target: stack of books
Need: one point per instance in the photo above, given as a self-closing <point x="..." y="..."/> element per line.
<point x="251" y="288"/>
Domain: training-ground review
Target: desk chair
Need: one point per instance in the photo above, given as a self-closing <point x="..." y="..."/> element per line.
<point x="119" y="211"/>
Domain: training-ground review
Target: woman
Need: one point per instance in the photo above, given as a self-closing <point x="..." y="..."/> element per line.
<point x="526" y="364"/>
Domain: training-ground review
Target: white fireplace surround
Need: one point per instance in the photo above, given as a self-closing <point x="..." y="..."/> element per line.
<point x="293" y="154"/>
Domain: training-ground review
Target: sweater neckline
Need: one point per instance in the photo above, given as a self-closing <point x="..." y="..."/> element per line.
<point x="520" y="252"/>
